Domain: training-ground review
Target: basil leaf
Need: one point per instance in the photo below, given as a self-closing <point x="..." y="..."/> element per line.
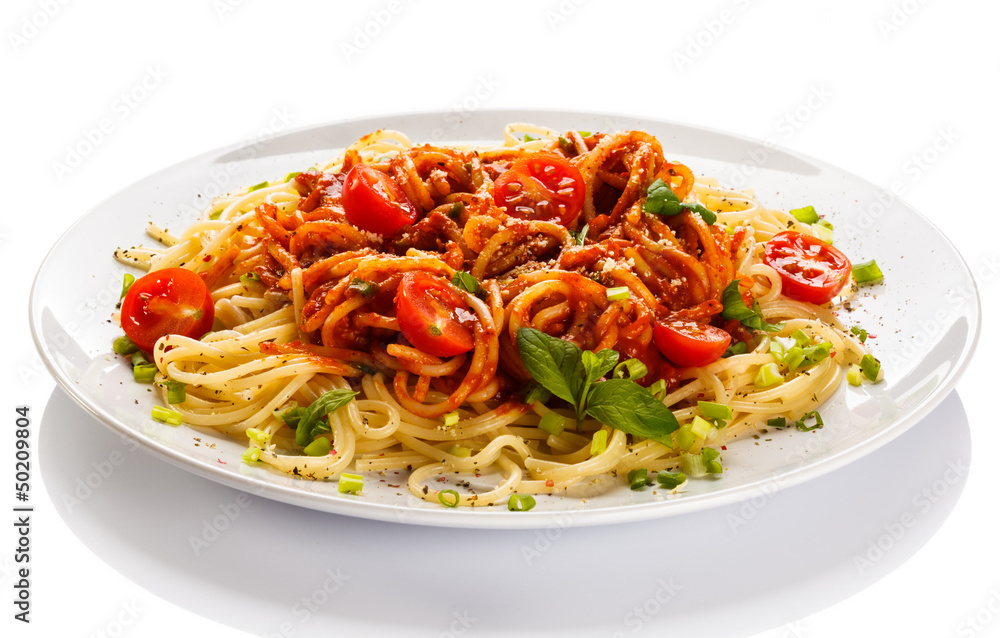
<point x="734" y="308"/>
<point x="627" y="406"/>
<point x="466" y="281"/>
<point x="580" y="236"/>
<point x="535" y="392"/>
<point x="706" y="214"/>
<point x="598" y="364"/>
<point x="553" y="363"/>
<point x="308" y="422"/>
<point x="661" y="200"/>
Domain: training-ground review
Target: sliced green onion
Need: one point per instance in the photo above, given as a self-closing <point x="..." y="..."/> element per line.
<point x="684" y="438"/>
<point x="709" y="454"/>
<point x="806" y="214"/>
<point x="292" y="176"/>
<point x="801" y="423"/>
<point x="252" y="454"/>
<point x="870" y="367"/>
<point x="176" y="392"/>
<point x="701" y="428"/>
<point x="350" y="483"/>
<point x="794" y="358"/>
<point x="466" y="282"/>
<point x="815" y="354"/>
<point x="710" y="457"/>
<point x="520" y="502"/>
<point x="670" y="480"/>
<point x="450" y="419"/>
<point x="584" y="133"/>
<point x="778" y="422"/>
<point x="460" y="451"/>
<point x="717" y="413"/>
<point x="530" y="138"/>
<point x="599" y="443"/>
<point x="634" y="368"/>
<point x="552" y="423"/>
<point x="618" y="294"/>
<point x="867" y="272"/>
<point x="860" y="333"/>
<point x="693" y="465"/>
<point x="144" y="373"/>
<point x="854" y="375"/>
<point x="127" y="282"/>
<point x="777" y="351"/>
<point x="639" y="478"/>
<point x="257" y="187"/>
<point x="216" y="214"/>
<point x="124" y="346"/>
<point x="565" y="145"/>
<point x="321" y="446"/>
<point x="713" y="467"/>
<point x="366" y="289"/>
<point x="456" y="209"/>
<point x="658" y="389"/>
<point x="767" y="375"/>
<point x="257" y="435"/>
<point x="823" y="233"/>
<point x="139" y="358"/>
<point x="163" y="415"/>
<point x="449" y="498"/>
<point x="801" y="337"/>
<point x="250" y="278"/>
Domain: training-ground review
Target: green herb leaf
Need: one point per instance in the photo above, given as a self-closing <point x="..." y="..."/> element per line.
<point x="580" y="236"/>
<point x="598" y="364"/>
<point x="662" y="200"/>
<point x="734" y="308"/>
<point x="555" y="364"/>
<point x="466" y="282"/>
<point x="309" y="419"/>
<point x="627" y="406"/>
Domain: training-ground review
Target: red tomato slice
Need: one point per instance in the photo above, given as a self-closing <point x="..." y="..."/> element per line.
<point x="169" y="301"/>
<point x="433" y="316"/>
<point x="374" y="202"/>
<point x="687" y="343"/>
<point x="541" y="186"/>
<point x="811" y="270"/>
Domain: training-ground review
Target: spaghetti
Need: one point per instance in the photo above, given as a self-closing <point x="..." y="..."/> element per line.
<point x="595" y="239"/>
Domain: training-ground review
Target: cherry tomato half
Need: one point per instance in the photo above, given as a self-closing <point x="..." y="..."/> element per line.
<point x="811" y="270"/>
<point x="374" y="202"/>
<point x="687" y="343"/>
<point x="169" y="301"/>
<point x="541" y="186"/>
<point x="433" y="316"/>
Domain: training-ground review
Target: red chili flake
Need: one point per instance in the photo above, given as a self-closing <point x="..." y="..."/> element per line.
<point x="207" y="258"/>
<point x="550" y="483"/>
<point x="442" y="480"/>
<point x="723" y="447"/>
<point x="221" y="461"/>
<point x="871" y="336"/>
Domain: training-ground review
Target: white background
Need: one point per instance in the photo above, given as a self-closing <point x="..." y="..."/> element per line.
<point x="892" y="90"/>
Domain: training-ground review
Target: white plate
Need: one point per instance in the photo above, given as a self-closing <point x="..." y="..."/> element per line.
<point x="925" y="318"/>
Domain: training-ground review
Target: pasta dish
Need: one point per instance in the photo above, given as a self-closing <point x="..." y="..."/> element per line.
<point x="545" y="310"/>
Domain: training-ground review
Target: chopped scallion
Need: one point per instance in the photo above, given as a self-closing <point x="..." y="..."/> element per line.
<point x="216" y="214"/>
<point x="860" y="333"/>
<point x="599" y="443"/>
<point x="292" y="176"/>
<point x="449" y="498"/>
<point x="520" y="502"/>
<point x="684" y="438"/>
<point x="367" y="289"/>
<point x="124" y="346"/>
<point x="867" y="272"/>
<point x="670" y="480"/>
<point x="144" y="373"/>
<point x="823" y="233"/>
<point x="801" y="423"/>
<point x="127" y="282"/>
<point x="163" y="415"/>
<point x="717" y="413"/>
<point x="321" y="446"/>
<point x="257" y="435"/>
<point x="658" y="389"/>
<point x="639" y="478"/>
<point x="854" y="375"/>
<point x="618" y="294"/>
<point x="460" y="451"/>
<point x="552" y="423"/>
<point x="176" y="392"/>
<point x="767" y="375"/>
<point x="778" y="422"/>
<point x="252" y="454"/>
<point x="870" y="367"/>
<point x="350" y="483"/>
<point x="692" y="465"/>
<point x="450" y="419"/>
<point x="806" y="214"/>
<point x="701" y="428"/>
<point x="630" y="369"/>
<point x="257" y="187"/>
<point x="250" y="278"/>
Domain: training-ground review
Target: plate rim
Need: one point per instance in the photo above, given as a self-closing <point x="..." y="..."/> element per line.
<point x="480" y="517"/>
